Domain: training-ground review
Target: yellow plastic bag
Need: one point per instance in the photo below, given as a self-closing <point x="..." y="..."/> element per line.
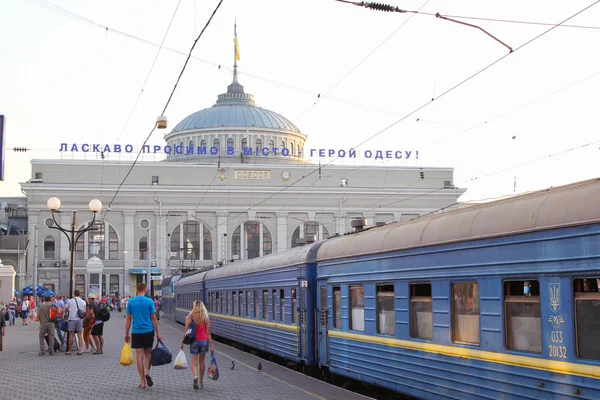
<point x="126" y="355"/>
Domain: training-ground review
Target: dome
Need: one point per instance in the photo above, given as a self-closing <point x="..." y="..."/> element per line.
<point x="235" y="109"/>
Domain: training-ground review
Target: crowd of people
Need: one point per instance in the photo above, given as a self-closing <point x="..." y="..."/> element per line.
<point x="83" y="319"/>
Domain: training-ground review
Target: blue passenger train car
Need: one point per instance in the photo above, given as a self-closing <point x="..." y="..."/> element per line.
<point x="188" y="289"/>
<point x="499" y="300"/>
<point x="267" y="303"/>
<point x="167" y="293"/>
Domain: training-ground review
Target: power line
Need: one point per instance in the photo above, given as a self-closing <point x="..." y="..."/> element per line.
<point x="166" y="105"/>
<point x="150" y="71"/>
<point x="320" y="97"/>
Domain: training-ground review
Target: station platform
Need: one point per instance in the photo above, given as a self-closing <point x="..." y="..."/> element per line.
<point x="27" y="375"/>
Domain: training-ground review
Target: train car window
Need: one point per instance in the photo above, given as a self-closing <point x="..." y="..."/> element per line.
<point x="386" y="316"/>
<point x="256" y="305"/>
<point x="294" y="311"/>
<point x="248" y="304"/>
<point x="421" y="316"/>
<point x="337" y="307"/>
<point x="265" y="304"/>
<point x="234" y="307"/>
<point x="225" y="302"/>
<point x="522" y="316"/>
<point x="219" y="303"/>
<point x="357" y="308"/>
<point x="274" y="305"/>
<point x="587" y="317"/>
<point x="240" y="303"/>
<point x="465" y="312"/>
<point x="281" y="305"/>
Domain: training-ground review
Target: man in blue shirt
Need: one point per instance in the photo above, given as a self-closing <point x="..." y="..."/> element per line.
<point x="141" y="310"/>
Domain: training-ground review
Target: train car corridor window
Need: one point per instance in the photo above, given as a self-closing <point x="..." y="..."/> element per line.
<point x="357" y="308"/>
<point x="218" y="303"/>
<point x="281" y="305"/>
<point x="465" y="312"/>
<point x="234" y="307"/>
<point x="386" y="315"/>
<point x="274" y="305"/>
<point x="294" y="311"/>
<point x="265" y="304"/>
<point x="587" y="317"/>
<point x="337" y="308"/>
<point x="421" y="316"/>
<point x="522" y="316"/>
<point x="256" y="305"/>
<point x="248" y="304"/>
<point x="240" y="303"/>
<point x="226" y="303"/>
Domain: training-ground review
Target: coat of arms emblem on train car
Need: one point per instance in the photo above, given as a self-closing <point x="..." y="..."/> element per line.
<point x="554" y="290"/>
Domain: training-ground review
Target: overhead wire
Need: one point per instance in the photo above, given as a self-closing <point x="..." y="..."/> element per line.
<point x="150" y="71"/>
<point x="167" y="103"/>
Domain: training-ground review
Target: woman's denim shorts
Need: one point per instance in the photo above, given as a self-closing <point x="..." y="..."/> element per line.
<point x="199" y="347"/>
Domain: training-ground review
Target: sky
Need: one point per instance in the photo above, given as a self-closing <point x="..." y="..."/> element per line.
<point x="345" y="75"/>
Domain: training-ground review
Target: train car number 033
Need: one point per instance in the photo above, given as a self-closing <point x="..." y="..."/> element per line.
<point x="557" y="337"/>
<point x="557" y="351"/>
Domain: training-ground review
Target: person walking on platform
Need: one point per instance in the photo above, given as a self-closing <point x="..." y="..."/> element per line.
<point x="203" y="342"/>
<point x="12" y="311"/>
<point x="25" y="309"/>
<point x="73" y="307"/>
<point x="141" y="311"/>
<point x="46" y="327"/>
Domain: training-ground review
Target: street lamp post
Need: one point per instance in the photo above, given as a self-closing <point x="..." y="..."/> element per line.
<point x="73" y="234"/>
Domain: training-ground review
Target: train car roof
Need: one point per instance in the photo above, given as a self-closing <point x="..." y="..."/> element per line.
<point x="299" y="255"/>
<point x="191" y="279"/>
<point x="562" y="206"/>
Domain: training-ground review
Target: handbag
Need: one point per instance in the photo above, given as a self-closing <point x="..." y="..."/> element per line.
<point x="160" y="355"/>
<point x="80" y="312"/>
<point x="190" y="335"/>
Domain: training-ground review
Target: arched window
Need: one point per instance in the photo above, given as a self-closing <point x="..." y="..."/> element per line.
<point x="309" y="232"/>
<point x="230" y="143"/>
<point x="259" y="145"/>
<point x="95" y="243"/>
<point x="143" y="248"/>
<point x="271" y="144"/>
<point x="244" y="143"/>
<point x="216" y="143"/>
<point x="254" y="242"/>
<point x="191" y="240"/>
<point x="191" y="143"/>
<point x="203" y="143"/>
<point x="49" y="247"/>
<point x="292" y="148"/>
<point x="282" y="146"/>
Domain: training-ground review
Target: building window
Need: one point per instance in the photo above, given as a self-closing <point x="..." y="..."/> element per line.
<point x="386" y="315"/>
<point x="271" y="146"/>
<point x="114" y="284"/>
<point x="337" y="308"/>
<point x="80" y="283"/>
<point x="465" y="313"/>
<point x="282" y="145"/>
<point x="244" y="143"/>
<point x="49" y="246"/>
<point x="113" y="244"/>
<point x="95" y="242"/>
<point x="203" y="143"/>
<point x="256" y="305"/>
<point x="281" y="305"/>
<point x="259" y="145"/>
<point x="587" y="318"/>
<point x="230" y="143"/>
<point x="265" y="301"/>
<point x="309" y="232"/>
<point x="217" y="143"/>
<point x="357" y="308"/>
<point x="421" y="317"/>
<point x="191" y="143"/>
<point x="143" y="248"/>
<point x="257" y="241"/>
<point x="186" y="243"/>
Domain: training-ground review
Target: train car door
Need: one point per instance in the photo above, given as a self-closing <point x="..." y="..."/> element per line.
<point x="323" y="320"/>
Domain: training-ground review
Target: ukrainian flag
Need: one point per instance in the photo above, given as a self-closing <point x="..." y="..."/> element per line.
<point x="235" y="41"/>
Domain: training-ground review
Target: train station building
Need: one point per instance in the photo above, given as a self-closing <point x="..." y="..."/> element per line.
<point x="235" y="184"/>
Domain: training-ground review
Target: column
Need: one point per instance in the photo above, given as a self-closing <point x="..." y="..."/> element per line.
<point x="27" y="270"/>
<point x="341" y="222"/>
<point x="87" y="283"/>
<point x="107" y="285"/>
<point x="221" y="231"/>
<point x="100" y="282"/>
<point x="160" y="244"/>
<point x="282" y="239"/>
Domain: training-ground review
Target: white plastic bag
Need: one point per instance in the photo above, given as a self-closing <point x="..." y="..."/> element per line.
<point x="180" y="362"/>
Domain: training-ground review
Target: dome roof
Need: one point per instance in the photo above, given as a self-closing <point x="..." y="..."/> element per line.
<point x="235" y="109"/>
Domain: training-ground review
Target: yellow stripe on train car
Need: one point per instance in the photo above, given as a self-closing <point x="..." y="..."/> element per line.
<point x="588" y="371"/>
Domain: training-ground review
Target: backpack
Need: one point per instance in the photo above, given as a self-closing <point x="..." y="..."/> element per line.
<point x="55" y="313"/>
<point x="104" y="314"/>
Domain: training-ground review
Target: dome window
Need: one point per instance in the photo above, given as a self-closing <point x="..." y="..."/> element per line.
<point x="230" y="143"/>
<point x="259" y="144"/>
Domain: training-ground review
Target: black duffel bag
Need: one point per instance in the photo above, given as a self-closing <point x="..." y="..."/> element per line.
<point x="160" y="355"/>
